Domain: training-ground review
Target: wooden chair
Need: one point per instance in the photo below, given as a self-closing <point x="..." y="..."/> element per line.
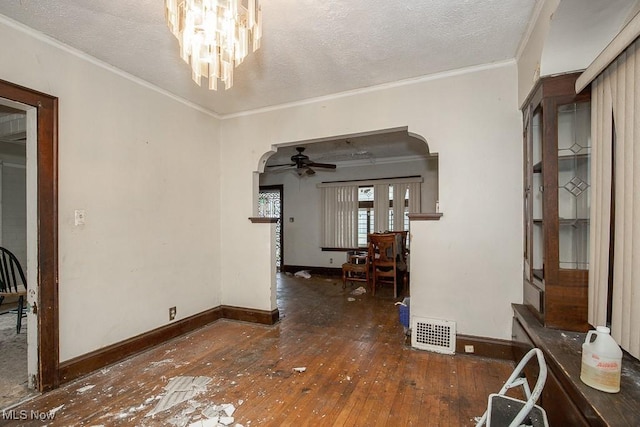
<point x="357" y="268"/>
<point x="388" y="264"/>
<point x="12" y="282"/>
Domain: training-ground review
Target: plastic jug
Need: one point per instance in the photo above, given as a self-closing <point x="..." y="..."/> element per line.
<point x="601" y="361"/>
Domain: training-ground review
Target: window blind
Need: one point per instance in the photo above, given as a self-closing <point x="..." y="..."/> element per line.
<point x="339" y="216"/>
<point x="339" y="201"/>
<point x="616" y="108"/>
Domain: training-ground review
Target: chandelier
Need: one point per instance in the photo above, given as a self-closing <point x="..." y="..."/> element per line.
<point x="215" y="35"/>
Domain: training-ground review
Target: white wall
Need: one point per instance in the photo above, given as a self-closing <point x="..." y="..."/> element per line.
<point x="302" y="202"/>
<point x="145" y="168"/>
<point x="567" y="36"/>
<point x="529" y="60"/>
<point x="472" y="263"/>
<point x="580" y="30"/>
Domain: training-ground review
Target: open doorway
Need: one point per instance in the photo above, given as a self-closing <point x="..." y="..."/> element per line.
<point x="40" y="114"/>
<point x="270" y="205"/>
<point x="13" y="238"/>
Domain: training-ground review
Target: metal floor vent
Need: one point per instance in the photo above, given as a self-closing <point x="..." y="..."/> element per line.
<point x="433" y="335"/>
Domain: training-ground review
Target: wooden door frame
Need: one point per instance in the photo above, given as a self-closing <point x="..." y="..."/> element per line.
<point x="47" y="221"/>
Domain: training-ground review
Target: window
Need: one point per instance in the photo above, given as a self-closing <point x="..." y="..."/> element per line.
<point x="365" y="214"/>
<point x="374" y="205"/>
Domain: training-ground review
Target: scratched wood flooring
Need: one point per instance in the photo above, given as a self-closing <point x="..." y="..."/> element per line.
<point x="358" y="372"/>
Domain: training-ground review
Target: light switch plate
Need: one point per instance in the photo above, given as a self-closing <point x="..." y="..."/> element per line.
<point x="80" y="216"/>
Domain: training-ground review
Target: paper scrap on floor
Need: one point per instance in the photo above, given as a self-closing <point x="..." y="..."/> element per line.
<point x="179" y="390"/>
<point x="359" y="291"/>
<point x="303" y="273"/>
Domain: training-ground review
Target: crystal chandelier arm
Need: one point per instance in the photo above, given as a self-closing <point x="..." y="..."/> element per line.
<point x="214" y="35"/>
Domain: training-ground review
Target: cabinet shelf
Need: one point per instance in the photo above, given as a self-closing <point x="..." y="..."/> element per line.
<point x="564" y="162"/>
<point x="573" y="221"/>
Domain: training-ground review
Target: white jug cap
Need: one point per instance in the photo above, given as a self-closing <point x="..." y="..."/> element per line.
<point x="603" y="329"/>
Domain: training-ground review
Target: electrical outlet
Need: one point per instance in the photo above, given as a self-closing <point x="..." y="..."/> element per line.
<point x="469" y="349"/>
<point x="330" y="260"/>
<point x="172" y="313"/>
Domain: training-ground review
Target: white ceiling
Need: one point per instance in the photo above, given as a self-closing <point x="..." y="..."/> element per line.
<point x="310" y="48"/>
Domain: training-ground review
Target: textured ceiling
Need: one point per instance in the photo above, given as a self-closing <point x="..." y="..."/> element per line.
<point x="310" y="48"/>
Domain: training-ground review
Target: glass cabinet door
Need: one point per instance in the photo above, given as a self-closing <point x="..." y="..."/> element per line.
<point x="537" y="235"/>
<point x="574" y="154"/>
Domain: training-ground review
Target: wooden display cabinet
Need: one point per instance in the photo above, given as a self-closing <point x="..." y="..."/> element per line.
<point x="557" y="148"/>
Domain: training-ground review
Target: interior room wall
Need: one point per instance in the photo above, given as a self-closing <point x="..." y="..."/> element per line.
<point x="567" y="36"/>
<point x="145" y="169"/>
<point x="529" y="58"/>
<point x="580" y="30"/>
<point x="302" y="203"/>
<point x="471" y="119"/>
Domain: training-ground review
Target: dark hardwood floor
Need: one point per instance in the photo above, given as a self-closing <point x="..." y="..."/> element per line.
<point x="359" y="372"/>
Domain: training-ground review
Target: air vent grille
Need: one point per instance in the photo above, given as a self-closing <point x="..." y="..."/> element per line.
<point x="434" y="335"/>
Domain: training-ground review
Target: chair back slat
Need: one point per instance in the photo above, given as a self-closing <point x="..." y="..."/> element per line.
<point x="11" y="275"/>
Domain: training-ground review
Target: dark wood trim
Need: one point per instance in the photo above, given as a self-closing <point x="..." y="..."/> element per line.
<point x="251" y="315"/>
<point x="47" y="219"/>
<point x="263" y="220"/>
<point x="87" y="363"/>
<point x="425" y="216"/>
<point x="82" y="365"/>
<point x="485" y="347"/>
<point x="324" y="271"/>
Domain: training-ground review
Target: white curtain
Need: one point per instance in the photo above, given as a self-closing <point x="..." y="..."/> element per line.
<point x="340" y="216"/>
<point x="381" y="207"/>
<point x="616" y="103"/>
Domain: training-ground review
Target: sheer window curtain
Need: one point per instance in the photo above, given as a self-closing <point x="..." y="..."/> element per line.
<point x="616" y="102"/>
<point x="340" y="216"/>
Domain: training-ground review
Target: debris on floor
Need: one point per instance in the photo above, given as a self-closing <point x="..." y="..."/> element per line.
<point x="359" y="291"/>
<point x="52" y="412"/>
<point x="210" y="416"/>
<point x="351" y="299"/>
<point x="300" y="369"/>
<point x="85" y="388"/>
<point x="303" y="273"/>
<point x="179" y="390"/>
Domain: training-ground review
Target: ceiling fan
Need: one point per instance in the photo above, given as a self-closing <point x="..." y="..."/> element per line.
<point x="303" y="164"/>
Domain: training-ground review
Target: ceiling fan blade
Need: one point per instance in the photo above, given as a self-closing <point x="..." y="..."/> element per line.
<point x="322" y="165"/>
<point x="281" y="165"/>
